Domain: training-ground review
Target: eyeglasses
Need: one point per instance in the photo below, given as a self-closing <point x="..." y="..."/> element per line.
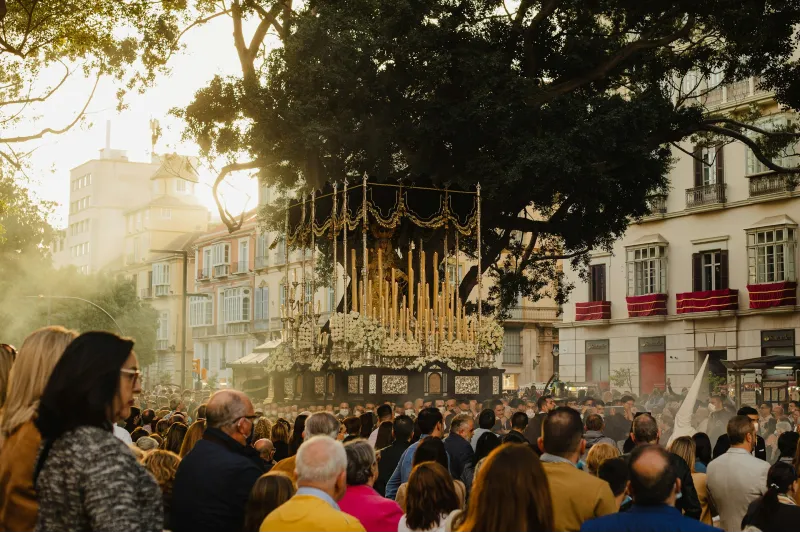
<point x="10" y="349"/>
<point x="136" y="375"/>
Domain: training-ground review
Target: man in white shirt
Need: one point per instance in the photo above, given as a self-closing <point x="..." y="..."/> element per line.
<point x="384" y="415"/>
<point x="736" y="478"/>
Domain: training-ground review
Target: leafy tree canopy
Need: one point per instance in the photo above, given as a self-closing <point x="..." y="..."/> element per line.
<point x="565" y="111"/>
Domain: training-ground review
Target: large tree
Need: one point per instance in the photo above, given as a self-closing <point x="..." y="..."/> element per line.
<point x="566" y="111"/>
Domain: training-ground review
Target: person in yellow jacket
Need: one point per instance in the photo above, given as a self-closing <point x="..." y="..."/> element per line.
<point x="321" y="481"/>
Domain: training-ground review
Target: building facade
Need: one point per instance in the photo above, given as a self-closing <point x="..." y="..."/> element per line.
<point x="712" y="271"/>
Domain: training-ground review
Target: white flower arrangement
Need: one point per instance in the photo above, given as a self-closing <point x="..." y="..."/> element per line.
<point x="489" y="336"/>
<point x="280" y="360"/>
<point x="457" y="350"/>
<point x="399" y="347"/>
<point x="363" y="333"/>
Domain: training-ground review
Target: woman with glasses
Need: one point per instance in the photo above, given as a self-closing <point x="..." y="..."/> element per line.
<point x="19" y="438"/>
<point x="87" y="479"/>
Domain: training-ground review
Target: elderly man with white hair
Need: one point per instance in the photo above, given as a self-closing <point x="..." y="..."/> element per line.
<point x="317" y="424"/>
<point x="321" y="482"/>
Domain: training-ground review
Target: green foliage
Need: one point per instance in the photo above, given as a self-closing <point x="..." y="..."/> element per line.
<point x="562" y="110"/>
<point x="622" y="377"/>
<point x="715" y="382"/>
<point x="212" y="381"/>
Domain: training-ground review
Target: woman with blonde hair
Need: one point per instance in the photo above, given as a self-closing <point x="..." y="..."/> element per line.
<point x="280" y="440"/>
<point x="685" y="448"/>
<point x="598" y="454"/>
<point x="194" y="434"/>
<point x="163" y="465"/>
<point x="19" y="438"/>
<point x="262" y="430"/>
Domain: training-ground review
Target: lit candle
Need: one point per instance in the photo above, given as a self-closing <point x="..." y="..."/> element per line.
<point x="354" y="282"/>
<point x="410" y="281"/>
<point x="436" y="283"/>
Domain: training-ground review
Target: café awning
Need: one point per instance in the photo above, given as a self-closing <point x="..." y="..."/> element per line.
<point x="762" y="363"/>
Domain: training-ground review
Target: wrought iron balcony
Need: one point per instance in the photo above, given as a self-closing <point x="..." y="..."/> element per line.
<point x="144" y="294"/>
<point x="221" y="271"/>
<point x="242" y="267"/>
<point x="162" y="290"/>
<point x="203" y="273"/>
<point x="162" y="345"/>
<point x="657" y="204"/>
<point x="261" y="262"/>
<point x="705" y="195"/>
<point x="530" y="313"/>
<point x="770" y="184"/>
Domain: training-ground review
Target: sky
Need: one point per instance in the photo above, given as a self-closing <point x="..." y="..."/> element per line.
<point x="209" y="51"/>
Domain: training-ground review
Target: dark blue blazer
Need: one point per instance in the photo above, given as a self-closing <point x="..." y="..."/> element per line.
<point x="647" y="518"/>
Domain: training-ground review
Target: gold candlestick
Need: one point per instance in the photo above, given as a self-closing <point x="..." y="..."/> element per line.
<point x="410" y="281"/>
<point x="436" y="283"/>
<point x="353" y="282"/>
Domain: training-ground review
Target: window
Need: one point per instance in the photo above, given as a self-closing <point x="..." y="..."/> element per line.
<point x="597" y="283"/>
<point x="221" y="254"/>
<point x="309" y="296"/>
<point x="691" y="83"/>
<point x="710" y="270"/>
<point x="223" y="360"/>
<point x="788" y="157"/>
<point x="237" y="305"/>
<point x="280" y="254"/>
<point x="201" y="311"/>
<point x="163" y="326"/>
<point x="80" y="183"/>
<point x="180" y="185"/>
<point x="647" y="270"/>
<point x="451" y="274"/>
<point x="161" y="274"/>
<point x="771" y="254"/>
<point x="262" y="246"/>
<point x="263" y="194"/>
<point x="244" y="255"/>
<point x="283" y="295"/>
<point x="166" y="212"/>
<point x="261" y="311"/>
<point x="204" y="350"/>
<point x="512" y="347"/>
<point x="206" y="262"/>
<point x="331" y="301"/>
<point x="708" y="165"/>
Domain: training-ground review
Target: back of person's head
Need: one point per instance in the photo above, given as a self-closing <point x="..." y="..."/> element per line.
<point x="510" y="493"/>
<point x="174" y="402"/>
<point x="322" y="423"/>
<point x="652" y="476"/>
<point x="174" y="438"/>
<point x="746" y="410"/>
<point x="384" y="437"/>
<point x="738" y="428"/>
<point x="163" y="464"/>
<point x="684" y="447"/>
<point x="485" y="445"/>
<point x="519" y="421"/>
<point x="615" y="473"/>
<point x="598" y="454"/>
<point x="147" y="416"/>
<point x="262" y="429"/>
<point x="627" y="398"/>
<point x="430" y="493"/>
<point x="162" y="426"/>
<point x="787" y="443"/>
<point x="269" y="492"/>
<point x="83" y="385"/>
<point x="542" y="401"/>
<point x="201" y="411"/>
<point x="594" y="423"/>
<point x="224" y="408"/>
<point x="352" y="425"/>
<point x="280" y="433"/>
<point x="781" y="479"/>
<point x="367" y="422"/>
<point x="147" y="443"/>
<point x="403" y="428"/>
<point x="486" y="419"/>
<point x="431" y="449"/>
<point x="645" y="429"/>
<point x="385" y="412"/>
<point x="193" y="435"/>
<point x="27" y="378"/>
<point x="297" y="433"/>
<point x="321" y="461"/>
<point x="360" y="461"/>
<point x="138" y="433"/>
<point x="428" y="419"/>
<point x="702" y="447"/>
<point x="460" y="420"/>
<point x="562" y="431"/>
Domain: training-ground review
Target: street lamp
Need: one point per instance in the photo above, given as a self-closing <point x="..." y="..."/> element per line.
<point x="42" y="296"/>
<point x="185" y="256"/>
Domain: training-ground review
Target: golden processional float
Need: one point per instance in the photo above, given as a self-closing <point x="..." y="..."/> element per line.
<point x="400" y="328"/>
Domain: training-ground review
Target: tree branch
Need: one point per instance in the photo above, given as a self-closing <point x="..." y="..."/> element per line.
<point x="736" y="123"/>
<point x="199" y="22"/>
<point x="40" y="98"/>
<point x="226" y="217"/>
<point x="547" y="9"/>
<point x="267" y="19"/>
<point x="51" y="130"/>
<point x="750" y="143"/>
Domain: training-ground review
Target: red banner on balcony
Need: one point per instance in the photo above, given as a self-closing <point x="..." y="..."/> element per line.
<point x="647" y="305"/>
<point x="703" y="301"/>
<point x="592" y="311"/>
<point x="772" y="294"/>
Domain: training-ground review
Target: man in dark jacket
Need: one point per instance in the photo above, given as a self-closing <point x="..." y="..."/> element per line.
<point x="724" y="443"/>
<point x="462" y="458"/>
<point x="214" y="480"/>
<point x="645" y="431"/>
<point x="519" y="422"/>
<point x="402" y="429"/>
<point x="594" y="433"/>
<point x="533" y="431"/>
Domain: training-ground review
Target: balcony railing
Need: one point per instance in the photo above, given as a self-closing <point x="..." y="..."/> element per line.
<point x="162" y="345"/>
<point x="162" y="290"/>
<point x="261" y="324"/>
<point x="261" y="262"/>
<point x="203" y="273"/>
<point x="238" y="328"/>
<point x="204" y="331"/>
<point x="242" y="267"/>
<point x="657" y="204"/>
<point x="533" y="314"/>
<point x="705" y="195"/>
<point x="770" y="183"/>
<point x="146" y="293"/>
<point x="221" y="271"/>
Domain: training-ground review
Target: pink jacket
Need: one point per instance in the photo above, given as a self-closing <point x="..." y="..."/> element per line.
<point x="375" y="512"/>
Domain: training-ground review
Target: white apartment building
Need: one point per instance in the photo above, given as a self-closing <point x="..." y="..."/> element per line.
<point x="713" y="271"/>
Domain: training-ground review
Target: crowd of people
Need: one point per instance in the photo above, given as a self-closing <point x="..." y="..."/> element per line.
<point x="82" y="447"/>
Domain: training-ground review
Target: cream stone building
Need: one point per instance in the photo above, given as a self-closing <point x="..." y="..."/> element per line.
<point x="711" y="272"/>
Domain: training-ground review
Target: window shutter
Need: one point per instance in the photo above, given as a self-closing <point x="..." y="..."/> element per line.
<point x="723" y="269"/>
<point x="720" y="165"/>
<point x="259" y="299"/>
<point x="601" y="283"/>
<point x="697" y="272"/>
<point x="698" y="166"/>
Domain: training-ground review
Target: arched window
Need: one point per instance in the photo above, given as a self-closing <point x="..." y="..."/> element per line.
<point x="434" y="383"/>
